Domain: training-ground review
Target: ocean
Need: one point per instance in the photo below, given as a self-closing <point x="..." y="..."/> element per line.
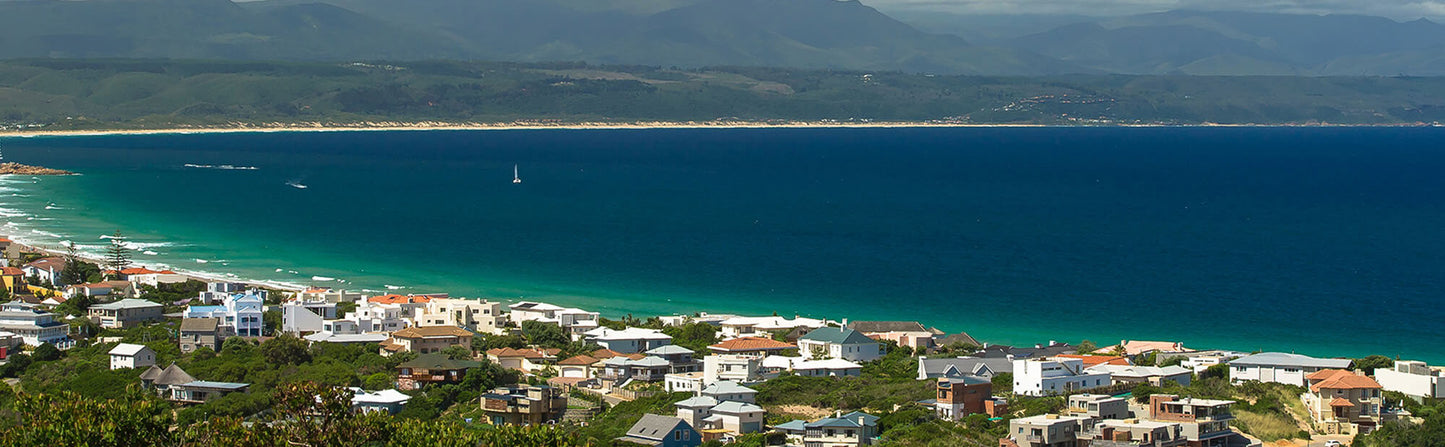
<point x="1322" y="241"/>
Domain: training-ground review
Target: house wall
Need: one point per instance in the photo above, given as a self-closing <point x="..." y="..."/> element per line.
<point x="1417" y="385"/>
<point x="1288" y="375"/>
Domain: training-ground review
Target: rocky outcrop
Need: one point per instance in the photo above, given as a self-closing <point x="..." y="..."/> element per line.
<point x="19" y="169"/>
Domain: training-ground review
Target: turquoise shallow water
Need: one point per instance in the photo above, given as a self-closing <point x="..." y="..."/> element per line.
<point x="1321" y="241"/>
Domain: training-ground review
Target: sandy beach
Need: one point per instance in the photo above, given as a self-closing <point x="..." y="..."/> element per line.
<point x="637" y="125"/>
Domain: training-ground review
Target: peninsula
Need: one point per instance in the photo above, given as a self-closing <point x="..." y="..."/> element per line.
<point x="20" y="169"/>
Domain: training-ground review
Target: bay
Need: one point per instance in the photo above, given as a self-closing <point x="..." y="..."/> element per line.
<point x="1323" y="241"/>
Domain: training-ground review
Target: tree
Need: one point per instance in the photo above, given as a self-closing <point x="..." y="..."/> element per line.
<point x="75" y="271"/>
<point x="1086" y="347"/>
<point x="1370" y="363"/>
<point x="694" y="336"/>
<point x="46" y="352"/>
<point x="487" y="342"/>
<point x="117" y="256"/>
<point x="458" y="352"/>
<point x="286" y="350"/>
<point x="545" y="334"/>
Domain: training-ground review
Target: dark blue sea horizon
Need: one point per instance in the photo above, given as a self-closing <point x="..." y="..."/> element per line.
<point x="1323" y="241"/>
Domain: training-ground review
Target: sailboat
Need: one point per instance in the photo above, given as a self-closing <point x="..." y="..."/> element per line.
<point x="515" y="178"/>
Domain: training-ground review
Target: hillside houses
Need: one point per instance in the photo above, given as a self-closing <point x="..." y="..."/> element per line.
<point x="1279" y="367"/>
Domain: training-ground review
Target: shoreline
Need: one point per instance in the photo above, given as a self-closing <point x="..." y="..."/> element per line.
<point x="635" y="125"/>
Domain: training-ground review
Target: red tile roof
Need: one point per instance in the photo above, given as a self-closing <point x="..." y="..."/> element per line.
<point x="397" y="299"/>
<point x="11" y="271"/>
<point x="579" y="360"/>
<point x="1339" y="379"/>
<point x="1096" y="360"/>
<point x="745" y="344"/>
<point x="1341" y="402"/>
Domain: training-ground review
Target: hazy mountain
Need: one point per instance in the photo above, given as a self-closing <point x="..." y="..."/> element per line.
<point x="841" y="34"/>
<point x="1236" y="43"/>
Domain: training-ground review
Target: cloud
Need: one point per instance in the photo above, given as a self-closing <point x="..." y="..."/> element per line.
<point x="1396" y="9"/>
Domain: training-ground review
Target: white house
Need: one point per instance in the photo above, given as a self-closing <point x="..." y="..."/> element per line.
<point x="305" y="316"/>
<point x="217" y="291"/>
<point x="48" y="270"/>
<point x="126" y="355"/>
<point x="1412" y="378"/>
<point x="34" y="326"/>
<point x="1153" y="375"/>
<point x="1279" y="367"/>
<point x="737" y="368"/>
<point x="1042" y="377"/>
<point x="814" y="368"/>
<point x="477" y="315"/>
<point x="839" y="343"/>
<point x="765" y="326"/>
<point x="723" y="406"/>
<point x="239" y="314"/>
<point x="576" y="322"/>
<point x="1202" y="360"/>
<point x="389" y="401"/>
<point x="629" y="340"/>
<point x="687" y="382"/>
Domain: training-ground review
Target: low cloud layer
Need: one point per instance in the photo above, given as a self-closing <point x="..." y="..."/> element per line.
<point x="1397" y="9"/>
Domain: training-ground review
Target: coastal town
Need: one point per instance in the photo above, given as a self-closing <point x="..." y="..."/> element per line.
<point x="108" y="330"/>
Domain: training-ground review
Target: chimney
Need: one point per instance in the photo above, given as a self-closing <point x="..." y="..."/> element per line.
<point x="860" y="421"/>
<point x="838" y="413"/>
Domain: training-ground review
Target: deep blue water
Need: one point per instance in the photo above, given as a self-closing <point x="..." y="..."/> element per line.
<point x="1321" y="241"/>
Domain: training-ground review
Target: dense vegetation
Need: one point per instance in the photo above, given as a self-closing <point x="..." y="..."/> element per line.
<point x="115" y="94"/>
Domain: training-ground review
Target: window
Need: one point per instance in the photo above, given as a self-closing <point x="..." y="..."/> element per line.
<point x="677" y="435"/>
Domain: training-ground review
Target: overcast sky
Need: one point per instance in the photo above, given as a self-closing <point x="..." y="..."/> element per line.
<point x="1397" y="9"/>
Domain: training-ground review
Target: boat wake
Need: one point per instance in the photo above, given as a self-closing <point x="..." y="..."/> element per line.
<point x="222" y="167"/>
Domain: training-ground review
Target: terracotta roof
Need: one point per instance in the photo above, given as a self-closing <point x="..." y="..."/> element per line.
<point x="1341" y="402"/>
<point x="1096" y="360"/>
<point x="579" y="360"/>
<point x="47" y="263"/>
<point x="509" y="352"/>
<point x="431" y="331"/>
<point x="604" y="354"/>
<point x="11" y="271"/>
<point x="1137" y="347"/>
<point x="742" y="344"/>
<point x="391" y="346"/>
<point x="1339" y="379"/>
<point x="397" y="299"/>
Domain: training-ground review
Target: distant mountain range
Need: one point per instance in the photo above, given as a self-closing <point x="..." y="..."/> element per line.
<point x="829" y="34"/>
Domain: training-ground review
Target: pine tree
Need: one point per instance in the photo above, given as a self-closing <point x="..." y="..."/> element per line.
<point x="117" y="256"/>
<point x="74" y="272"/>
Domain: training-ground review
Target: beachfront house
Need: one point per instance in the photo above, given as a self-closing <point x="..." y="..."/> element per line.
<point x="1279" y="367"/>
<point x="47" y="270"/>
<point x="153" y="278"/>
<point x="839" y="343"/>
<point x="1043" y="377"/>
<point x="126" y="313"/>
<point x="576" y="322"/>
<point x="33" y="326"/>
<point x="1202" y="360"/>
<point x="126" y="355"/>
<point x="700" y="317"/>
<point x="103" y="289"/>
<point x="662" y="431"/>
<point x="1343" y="402"/>
<point x="238" y="314"/>
<point x="196" y="333"/>
<point x="765" y="326"/>
<point x="480" y="316"/>
<point x="333" y="296"/>
<point x="1412" y="378"/>
<point x="629" y="340"/>
<point x="1133" y="348"/>
<point x="425" y="340"/>
<point x="906" y="333"/>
